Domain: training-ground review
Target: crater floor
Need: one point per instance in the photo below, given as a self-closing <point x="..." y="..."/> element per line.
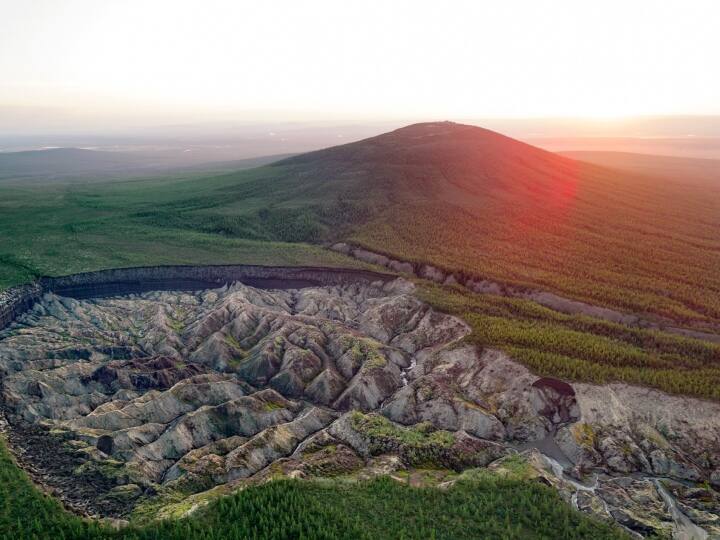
<point x="153" y="403"/>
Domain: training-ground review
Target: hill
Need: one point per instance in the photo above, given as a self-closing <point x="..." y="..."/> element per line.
<point x="465" y="198"/>
<point x="481" y="202"/>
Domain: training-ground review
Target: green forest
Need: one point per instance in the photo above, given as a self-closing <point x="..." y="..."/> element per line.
<point x="483" y="506"/>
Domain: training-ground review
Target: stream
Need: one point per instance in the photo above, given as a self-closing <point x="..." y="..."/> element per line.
<point x="558" y="471"/>
<point x="404" y="372"/>
<point x="685" y="529"/>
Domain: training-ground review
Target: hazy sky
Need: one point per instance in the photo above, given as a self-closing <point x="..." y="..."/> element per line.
<point x="95" y="62"/>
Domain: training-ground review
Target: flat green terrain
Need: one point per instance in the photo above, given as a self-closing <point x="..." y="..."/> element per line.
<point x="61" y="227"/>
<point x="482" y="506"/>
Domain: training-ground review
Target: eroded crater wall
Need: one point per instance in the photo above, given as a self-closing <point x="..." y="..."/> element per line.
<point x="117" y="281"/>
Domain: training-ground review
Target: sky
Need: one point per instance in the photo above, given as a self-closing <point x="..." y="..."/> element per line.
<point x="89" y="63"/>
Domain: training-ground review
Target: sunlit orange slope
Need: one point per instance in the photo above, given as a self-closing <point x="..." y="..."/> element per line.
<point x="470" y="199"/>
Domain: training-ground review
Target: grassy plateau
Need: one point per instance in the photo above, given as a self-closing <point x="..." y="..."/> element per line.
<point x="63" y="227"/>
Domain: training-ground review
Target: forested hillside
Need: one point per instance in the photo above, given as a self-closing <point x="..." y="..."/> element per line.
<point x="465" y="198"/>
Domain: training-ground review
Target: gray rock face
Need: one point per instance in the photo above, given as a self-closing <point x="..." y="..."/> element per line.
<point x="489" y="396"/>
<point x="642" y="430"/>
<point x="146" y="393"/>
<point x="621" y="435"/>
<point x="209" y="387"/>
<point x="555" y="400"/>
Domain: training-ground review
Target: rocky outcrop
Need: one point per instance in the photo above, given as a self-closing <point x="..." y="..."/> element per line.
<point x="488" y="396"/>
<point x="555" y="400"/>
<point x="16" y="300"/>
<point x="631" y="429"/>
<point x="604" y="446"/>
<point x="373" y="435"/>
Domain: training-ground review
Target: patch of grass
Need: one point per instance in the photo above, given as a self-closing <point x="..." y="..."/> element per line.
<point x="584" y="434"/>
<point x="177" y="326"/>
<point x="513" y="467"/>
<point x="365" y="352"/>
<point x="272" y="406"/>
<point x="418" y="436"/>
<point x="234" y="363"/>
<point x="235" y="344"/>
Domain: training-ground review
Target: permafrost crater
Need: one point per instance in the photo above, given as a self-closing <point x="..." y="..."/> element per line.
<point x="114" y="403"/>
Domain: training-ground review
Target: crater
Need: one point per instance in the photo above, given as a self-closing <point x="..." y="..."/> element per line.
<point x="187" y="390"/>
<point x="138" y="404"/>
